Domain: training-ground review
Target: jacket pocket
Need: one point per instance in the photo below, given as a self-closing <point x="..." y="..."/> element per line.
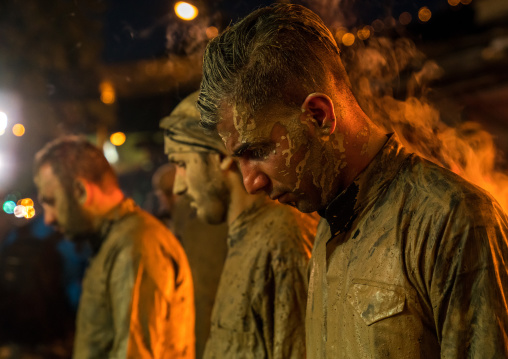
<point x="375" y="301"/>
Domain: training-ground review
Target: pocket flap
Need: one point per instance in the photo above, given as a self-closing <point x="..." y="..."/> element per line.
<point x="376" y="301"/>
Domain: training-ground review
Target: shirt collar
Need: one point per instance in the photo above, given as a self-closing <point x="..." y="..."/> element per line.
<point x="343" y="210"/>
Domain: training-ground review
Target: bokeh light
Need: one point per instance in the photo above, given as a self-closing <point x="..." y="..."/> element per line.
<point x="9" y="206"/>
<point x="186" y="11"/>
<point x="378" y="25"/>
<point x="454" y="2"/>
<point x="18" y="130"/>
<point x="108" y="95"/>
<point x="348" y="39"/>
<point x="20" y="211"/>
<point x="341" y="31"/>
<point x="117" y="138"/>
<point x="30" y="212"/>
<point x="364" y="33"/>
<point x="424" y="14"/>
<point x="27" y="202"/>
<point x="212" y="32"/>
<point x="466" y="2"/>
<point x="405" y="18"/>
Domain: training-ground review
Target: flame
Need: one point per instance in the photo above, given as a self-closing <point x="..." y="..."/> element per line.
<point x="466" y="149"/>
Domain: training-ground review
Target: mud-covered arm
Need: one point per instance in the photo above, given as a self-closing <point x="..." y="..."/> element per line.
<point x="283" y="314"/>
<point x="468" y="283"/>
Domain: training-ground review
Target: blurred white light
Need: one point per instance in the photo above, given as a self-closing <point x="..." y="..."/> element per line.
<point x="110" y="152"/>
<point x="20" y="211"/>
<point x="185" y="10"/>
<point x="3" y="121"/>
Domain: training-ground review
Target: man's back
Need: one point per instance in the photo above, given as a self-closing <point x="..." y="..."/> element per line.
<point x="259" y="310"/>
<point x="137" y="299"/>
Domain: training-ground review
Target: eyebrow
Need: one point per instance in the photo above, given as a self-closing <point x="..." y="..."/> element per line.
<point x="240" y="150"/>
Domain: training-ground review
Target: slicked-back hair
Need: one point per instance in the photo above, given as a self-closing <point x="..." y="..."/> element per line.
<point x="71" y="157"/>
<point x="277" y="54"/>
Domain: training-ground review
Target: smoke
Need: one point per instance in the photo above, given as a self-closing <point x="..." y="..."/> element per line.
<point x="391" y="81"/>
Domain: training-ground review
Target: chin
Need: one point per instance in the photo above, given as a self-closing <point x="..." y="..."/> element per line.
<point x="305" y="207"/>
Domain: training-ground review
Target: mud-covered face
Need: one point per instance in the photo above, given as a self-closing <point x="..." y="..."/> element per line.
<point x="61" y="209"/>
<point x="279" y="154"/>
<point x="199" y="177"/>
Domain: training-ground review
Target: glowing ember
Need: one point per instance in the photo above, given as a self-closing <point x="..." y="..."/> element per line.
<point x="454" y="2"/>
<point x="363" y="34"/>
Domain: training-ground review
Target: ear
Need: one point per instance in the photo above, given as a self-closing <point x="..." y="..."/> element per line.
<point x="82" y="191"/>
<point x="321" y="108"/>
<point x="226" y="163"/>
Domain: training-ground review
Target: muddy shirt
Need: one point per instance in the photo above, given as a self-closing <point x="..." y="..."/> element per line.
<point x="415" y="267"/>
<point x="259" y="311"/>
<point x="137" y="299"/>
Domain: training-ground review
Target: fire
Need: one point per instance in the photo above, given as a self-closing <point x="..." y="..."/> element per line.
<point x="466" y="149"/>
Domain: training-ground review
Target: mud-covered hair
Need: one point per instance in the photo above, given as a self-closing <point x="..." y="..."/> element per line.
<point x="71" y="157"/>
<point x="277" y="54"/>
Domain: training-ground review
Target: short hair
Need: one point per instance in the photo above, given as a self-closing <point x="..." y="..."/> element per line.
<point x="71" y="157"/>
<point x="277" y="54"/>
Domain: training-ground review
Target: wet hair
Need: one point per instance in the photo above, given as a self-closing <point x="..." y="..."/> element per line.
<point x="277" y="54"/>
<point x="71" y="157"/>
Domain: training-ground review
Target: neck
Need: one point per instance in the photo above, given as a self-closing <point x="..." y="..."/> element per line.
<point x="103" y="203"/>
<point x="241" y="200"/>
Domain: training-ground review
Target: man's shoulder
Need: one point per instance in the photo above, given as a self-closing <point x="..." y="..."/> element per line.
<point x="430" y="184"/>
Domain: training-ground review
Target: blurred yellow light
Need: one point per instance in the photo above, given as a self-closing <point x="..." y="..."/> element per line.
<point x="466" y="2"/>
<point x="117" y="138"/>
<point x="108" y="95"/>
<point x="18" y="130"/>
<point x="212" y="32"/>
<point x="27" y="202"/>
<point x="363" y="34"/>
<point x="424" y="14"/>
<point x="186" y="11"/>
<point x="30" y="212"/>
<point x="405" y="18"/>
<point x="348" y="39"/>
<point x="454" y="2"/>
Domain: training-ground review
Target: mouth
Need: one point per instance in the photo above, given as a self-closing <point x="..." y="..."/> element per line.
<point x="282" y="198"/>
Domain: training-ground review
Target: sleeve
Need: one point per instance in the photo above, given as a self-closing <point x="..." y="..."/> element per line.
<point x="121" y="283"/>
<point x="283" y="313"/>
<point x="149" y="335"/>
<point x="468" y="283"/>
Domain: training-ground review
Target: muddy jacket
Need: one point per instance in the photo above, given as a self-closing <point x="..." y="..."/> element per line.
<point x="415" y="267"/>
<point x="259" y="311"/>
<point x="137" y="299"/>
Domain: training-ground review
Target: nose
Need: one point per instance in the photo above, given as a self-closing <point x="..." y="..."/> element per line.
<point x="254" y="179"/>
<point x="179" y="186"/>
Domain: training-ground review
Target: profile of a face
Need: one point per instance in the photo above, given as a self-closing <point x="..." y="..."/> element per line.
<point x="61" y="209"/>
<point x="198" y="175"/>
<point x="278" y="153"/>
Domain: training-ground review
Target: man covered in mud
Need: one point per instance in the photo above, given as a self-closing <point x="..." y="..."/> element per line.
<point x="413" y="263"/>
<point x="259" y="310"/>
<point x="137" y="299"/>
